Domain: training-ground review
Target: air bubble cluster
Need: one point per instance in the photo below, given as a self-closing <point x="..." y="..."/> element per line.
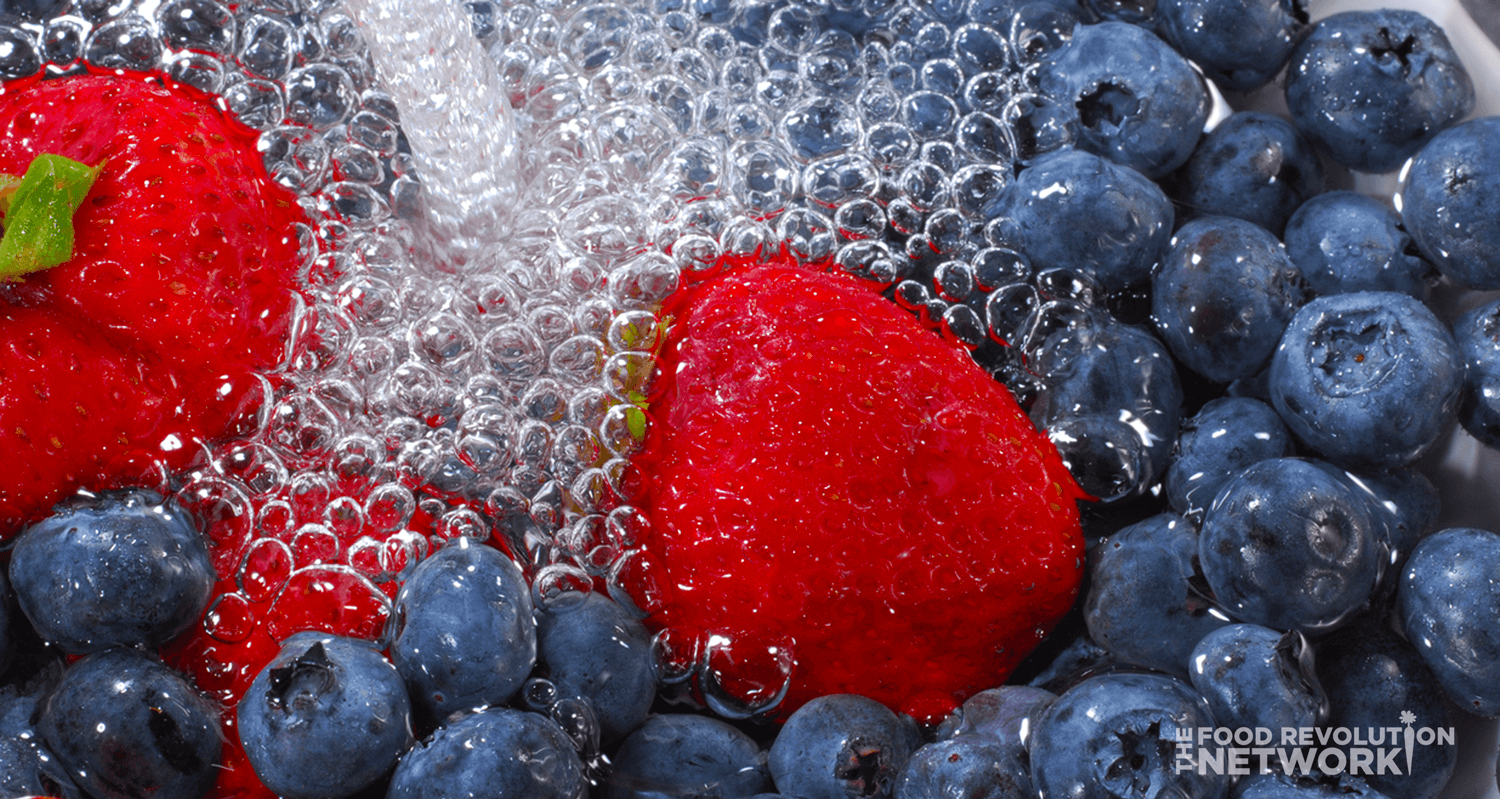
<point x="428" y="398"/>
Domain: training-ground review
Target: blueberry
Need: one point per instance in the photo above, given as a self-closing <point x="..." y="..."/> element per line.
<point x="464" y="630"/>
<point x="1251" y="166"/>
<point x="1374" y="679"/>
<point x="1371" y="87"/>
<point x="1403" y="505"/>
<point x="1240" y="44"/>
<point x="1115" y="735"/>
<point x="1006" y="714"/>
<point x="1076" y="210"/>
<point x="1112" y="406"/>
<point x="7" y="643"/>
<point x="1137" y="102"/>
<point x="128" y="727"/>
<point x="1478" y="335"/>
<point x="1367" y="379"/>
<point x="1227" y="435"/>
<point x="1288" y="546"/>
<point x="842" y="745"/>
<point x="968" y="766"/>
<point x="1345" y="242"/>
<point x="1280" y="785"/>
<point x="597" y="651"/>
<point x="27" y="767"/>
<point x="687" y="755"/>
<point x="1253" y="676"/>
<point x="1449" y="603"/>
<point x="120" y="569"/>
<point x="1079" y="659"/>
<point x="1146" y="603"/>
<point x="1223" y="295"/>
<point x="1450" y="204"/>
<point x="496" y="753"/>
<point x="326" y="718"/>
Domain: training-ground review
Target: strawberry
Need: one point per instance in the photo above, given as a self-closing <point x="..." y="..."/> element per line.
<point x="840" y="495"/>
<point x="181" y="288"/>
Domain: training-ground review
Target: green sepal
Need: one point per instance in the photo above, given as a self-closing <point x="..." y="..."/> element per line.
<point x="39" y="215"/>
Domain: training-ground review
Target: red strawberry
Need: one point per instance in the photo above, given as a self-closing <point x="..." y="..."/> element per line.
<point x="837" y="487"/>
<point x="181" y="287"/>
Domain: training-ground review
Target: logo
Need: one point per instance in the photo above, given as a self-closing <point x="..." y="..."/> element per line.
<point x="1305" y="750"/>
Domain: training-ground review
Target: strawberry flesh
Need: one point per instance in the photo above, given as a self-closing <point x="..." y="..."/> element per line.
<point x="838" y="486"/>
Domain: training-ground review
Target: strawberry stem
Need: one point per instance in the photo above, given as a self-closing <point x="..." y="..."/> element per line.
<point x="38" y="211"/>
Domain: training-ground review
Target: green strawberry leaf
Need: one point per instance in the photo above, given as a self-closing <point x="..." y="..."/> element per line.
<point x="39" y="214"/>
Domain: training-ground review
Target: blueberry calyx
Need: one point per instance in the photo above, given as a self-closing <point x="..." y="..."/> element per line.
<point x="297" y="685"/>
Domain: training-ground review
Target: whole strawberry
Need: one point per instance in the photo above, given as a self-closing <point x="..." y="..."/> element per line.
<point x="179" y="289"/>
<point x="837" y="487"/>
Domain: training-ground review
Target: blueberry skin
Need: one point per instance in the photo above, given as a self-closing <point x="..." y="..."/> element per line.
<point x="1368" y="380"/>
<point x="326" y="718"/>
<point x="1251" y="166"/>
<point x="842" y="745"/>
<point x="1478" y="335"/>
<point x="1403" y="505"/>
<point x="1449" y="604"/>
<point x="1142" y="605"/>
<point x="969" y="766"/>
<point x="597" y="651"/>
<point x="496" y="753"/>
<point x="1112" y="407"/>
<point x="1345" y="242"/>
<point x="1279" y="785"/>
<point x="1223" y="295"/>
<point x="27" y="767"/>
<point x="1372" y="677"/>
<point x="1006" y="714"/>
<point x="464" y="630"/>
<point x="1076" y="210"/>
<point x="1138" y="102"/>
<point x="1288" y="546"/>
<point x="1227" y="435"/>
<point x="1253" y="676"/>
<point x="1372" y="87"/>
<point x="123" y="569"/>
<point x="7" y="644"/>
<point x="1079" y="658"/>
<point x="686" y="755"/>
<point x="1110" y="735"/>
<point x="128" y="727"/>
<point x="1450" y="204"/>
<point x="1240" y="44"/>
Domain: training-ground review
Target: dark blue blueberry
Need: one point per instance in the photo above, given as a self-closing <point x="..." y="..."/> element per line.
<point x="1251" y="166"/>
<point x="1074" y="210"/>
<point x="1240" y="44"/>
<point x="1372" y="87"/>
<point x="464" y="630"/>
<point x="1345" y="242"/>
<point x="1280" y="785"/>
<point x="1146" y="603"/>
<point x="1368" y="380"/>
<point x="1080" y="658"/>
<point x="1115" y="736"/>
<point x="1006" y="714"/>
<point x="1451" y="205"/>
<point x="1374" y="679"/>
<point x="1287" y="545"/>
<point x="122" y="569"/>
<point x="967" y="767"/>
<point x="325" y="719"/>
<point x="27" y="767"/>
<point x="1478" y="335"/>
<point x="497" y="753"/>
<point x="1449" y="601"/>
<point x="687" y="755"/>
<point x="1227" y="434"/>
<point x="1112" y="406"/>
<point x="597" y="651"/>
<point x="1253" y="676"/>
<point x="842" y="745"/>
<point x="1402" y="504"/>
<point x="1223" y="295"/>
<point x="1137" y="101"/>
<point x="128" y="727"/>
